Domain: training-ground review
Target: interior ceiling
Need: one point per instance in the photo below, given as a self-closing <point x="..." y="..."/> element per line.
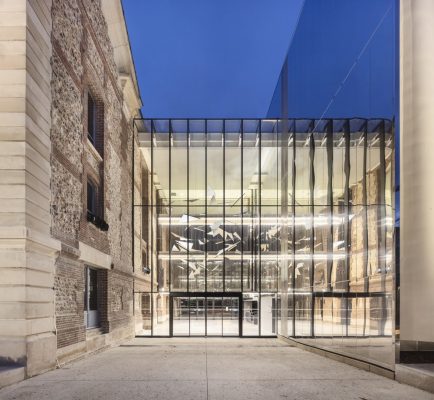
<point x="270" y="157"/>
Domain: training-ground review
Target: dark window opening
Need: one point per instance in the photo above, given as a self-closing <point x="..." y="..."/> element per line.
<point x="92" y="199"/>
<point x="91" y="119"/>
<point x="94" y="208"/>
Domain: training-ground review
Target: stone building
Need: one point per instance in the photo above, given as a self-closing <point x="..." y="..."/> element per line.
<point x="68" y="96"/>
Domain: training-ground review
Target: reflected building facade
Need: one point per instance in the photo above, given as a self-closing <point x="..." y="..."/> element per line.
<point x="285" y="225"/>
<point x="347" y="303"/>
<point x="267" y="227"/>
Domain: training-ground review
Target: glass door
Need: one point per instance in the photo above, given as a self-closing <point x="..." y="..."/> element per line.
<point x="231" y="316"/>
<point x="197" y="316"/>
<point x="214" y="316"/>
<point x="180" y="316"/>
<point x="208" y="314"/>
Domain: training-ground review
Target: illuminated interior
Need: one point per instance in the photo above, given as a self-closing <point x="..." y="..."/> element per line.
<point x="265" y="227"/>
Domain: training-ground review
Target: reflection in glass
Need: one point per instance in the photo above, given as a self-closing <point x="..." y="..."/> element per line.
<point x="237" y="246"/>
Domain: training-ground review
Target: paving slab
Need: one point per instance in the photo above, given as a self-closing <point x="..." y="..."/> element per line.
<point x="217" y="369"/>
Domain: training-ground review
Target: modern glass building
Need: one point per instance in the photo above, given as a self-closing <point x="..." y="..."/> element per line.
<point x="283" y="225"/>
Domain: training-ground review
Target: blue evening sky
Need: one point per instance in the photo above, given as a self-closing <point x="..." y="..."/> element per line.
<point x="209" y="58"/>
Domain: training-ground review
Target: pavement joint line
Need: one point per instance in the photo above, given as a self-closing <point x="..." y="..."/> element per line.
<point x="206" y="369"/>
<point x="30" y="383"/>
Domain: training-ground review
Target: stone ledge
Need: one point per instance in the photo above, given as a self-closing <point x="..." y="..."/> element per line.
<point x="91" y="256"/>
<point x="10" y="375"/>
<point x="417" y="375"/>
<point x="366" y="366"/>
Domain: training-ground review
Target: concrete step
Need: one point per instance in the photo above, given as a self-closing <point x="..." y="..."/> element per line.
<point x="91" y="333"/>
<point x="10" y="375"/>
<point x="418" y="375"/>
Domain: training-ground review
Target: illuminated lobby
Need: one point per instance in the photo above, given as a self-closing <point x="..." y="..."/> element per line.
<point x="268" y="227"/>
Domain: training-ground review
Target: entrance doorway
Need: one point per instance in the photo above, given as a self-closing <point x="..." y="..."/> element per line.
<point x="206" y="314"/>
<point x="91" y="313"/>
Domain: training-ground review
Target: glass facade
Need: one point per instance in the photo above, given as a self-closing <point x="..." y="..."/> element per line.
<point x="341" y="293"/>
<point x="283" y="225"/>
<point x="266" y="227"/>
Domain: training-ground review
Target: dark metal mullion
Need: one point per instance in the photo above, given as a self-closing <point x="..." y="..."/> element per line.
<point x="294" y="177"/>
<point x="365" y="210"/>
<point x="151" y="244"/>
<point x="240" y="314"/>
<point x="224" y="208"/>
<point x="188" y="223"/>
<point x="206" y="226"/>
<point x="171" y="314"/>
<point x="252" y="242"/>
<point x="347" y="238"/>
<point x="224" y="217"/>
<point x="365" y="222"/>
<point x="382" y="205"/>
<point x="329" y="144"/>
<point x="277" y="312"/>
<point x="259" y="200"/>
<point x="170" y="203"/>
<point x="242" y="206"/>
<point x="312" y="228"/>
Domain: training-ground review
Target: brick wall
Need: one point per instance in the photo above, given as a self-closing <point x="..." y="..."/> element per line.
<point x="83" y="62"/>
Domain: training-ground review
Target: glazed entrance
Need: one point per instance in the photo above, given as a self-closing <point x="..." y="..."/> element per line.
<point x="264" y="227"/>
<point x="208" y="314"/>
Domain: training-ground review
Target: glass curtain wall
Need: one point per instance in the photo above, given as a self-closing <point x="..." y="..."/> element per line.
<point x="266" y="227"/>
<point x="338" y="284"/>
<point x="215" y="205"/>
<point x="340" y="275"/>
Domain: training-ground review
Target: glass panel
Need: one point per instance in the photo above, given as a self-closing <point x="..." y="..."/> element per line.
<point x="268" y="313"/>
<point x="231" y="321"/>
<point x="181" y="316"/>
<point x="179" y="165"/>
<point x="321" y="248"/>
<point x="160" y="157"/>
<point x="269" y="247"/>
<point x="214" y="316"/>
<point x="196" y="171"/>
<point x="270" y="164"/>
<point x="303" y="306"/>
<point x="197" y="254"/>
<point x="250" y="314"/>
<point x="215" y="169"/>
<point x="302" y="167"/>
<point x="249" y="251"/>
<point x="197" y="316"/>
<point x="161" y="323"/>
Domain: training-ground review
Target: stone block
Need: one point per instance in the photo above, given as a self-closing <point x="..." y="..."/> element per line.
<point x="10" y="375"/>
<point x="420" y="376"/>
<point x="41" y="353"/>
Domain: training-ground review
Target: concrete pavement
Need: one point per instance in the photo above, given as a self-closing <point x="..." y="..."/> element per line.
<point x="190" y="369"/>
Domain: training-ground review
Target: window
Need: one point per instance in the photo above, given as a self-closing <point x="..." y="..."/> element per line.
<point x="94" y="209"/>
<point x="92" y="200"/>
<point x="91" y="119"/>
